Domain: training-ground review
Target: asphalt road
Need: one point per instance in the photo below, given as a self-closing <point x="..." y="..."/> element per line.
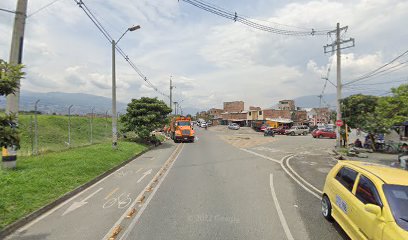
<point x="227" y="185"/>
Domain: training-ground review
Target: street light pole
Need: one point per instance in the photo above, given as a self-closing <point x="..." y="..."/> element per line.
<point x="175" y="108"/>
<point x="114" y="116"/>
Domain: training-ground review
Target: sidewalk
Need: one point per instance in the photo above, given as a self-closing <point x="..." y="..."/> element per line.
<point x="380" y="158"/>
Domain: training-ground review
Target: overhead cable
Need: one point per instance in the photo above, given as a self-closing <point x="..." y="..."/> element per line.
<point x="106" y="34"/>
<point x="381" y="69"/>
<point x="249" y="22"/>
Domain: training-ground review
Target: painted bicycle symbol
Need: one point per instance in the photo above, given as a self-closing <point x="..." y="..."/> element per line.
<point x="122" y="201"/>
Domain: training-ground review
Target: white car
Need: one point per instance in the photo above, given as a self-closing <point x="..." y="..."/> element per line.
<point x="203" y="125"/>
<point x="233" y="126"/>
<point x="297" y="130"/>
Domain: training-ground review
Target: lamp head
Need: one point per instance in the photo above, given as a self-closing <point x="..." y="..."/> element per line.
<point x="134" y="28"/>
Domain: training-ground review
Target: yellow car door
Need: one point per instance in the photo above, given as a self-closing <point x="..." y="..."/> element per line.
<point x="367" y="215"/>
<point x="343" y="185"/>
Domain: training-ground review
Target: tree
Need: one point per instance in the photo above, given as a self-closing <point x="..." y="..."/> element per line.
<point x="357" y="110"/>
<point x="393" y="110"/>
<point x="10" y="76"/>
<point x="145" y="115"/>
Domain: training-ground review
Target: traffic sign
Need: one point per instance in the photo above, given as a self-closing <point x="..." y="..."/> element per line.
<point x="339" y="123"/>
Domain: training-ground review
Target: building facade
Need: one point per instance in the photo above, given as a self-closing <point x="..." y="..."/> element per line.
<point x="236" y="106"/>
<point x="287" y="105"/>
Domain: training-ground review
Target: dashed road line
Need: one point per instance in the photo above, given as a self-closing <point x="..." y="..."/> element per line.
<point x="141" y="194"/>
<point x="139" y="214"/>
<point x="111" y="193"/>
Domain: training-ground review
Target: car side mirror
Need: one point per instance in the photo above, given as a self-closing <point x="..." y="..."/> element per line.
<point x="374" y="209"/>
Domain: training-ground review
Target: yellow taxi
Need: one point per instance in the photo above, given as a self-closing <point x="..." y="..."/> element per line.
<point x="369" y="201"/>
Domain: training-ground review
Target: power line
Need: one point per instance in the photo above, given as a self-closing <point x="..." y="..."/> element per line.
<point x="42" y="8"/>
<point x="361" y="85"/>
<point x="106" y="34"/>
<point x="246" y="21"/>
<point x="8" y="11"/>
<point x="378" y="70"/>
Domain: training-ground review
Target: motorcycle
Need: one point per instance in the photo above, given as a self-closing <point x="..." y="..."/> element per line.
<point x="269" y="132"/>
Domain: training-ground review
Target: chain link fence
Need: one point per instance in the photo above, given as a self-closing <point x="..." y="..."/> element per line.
<point x="52" y="132"/>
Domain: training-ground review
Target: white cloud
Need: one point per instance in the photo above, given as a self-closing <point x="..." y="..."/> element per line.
<point x="212" y="59"/>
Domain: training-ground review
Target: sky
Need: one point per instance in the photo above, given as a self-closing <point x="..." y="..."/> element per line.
<point x="211" y="59"/>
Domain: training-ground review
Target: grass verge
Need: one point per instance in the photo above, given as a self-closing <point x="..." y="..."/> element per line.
<point x="39" y="180"/>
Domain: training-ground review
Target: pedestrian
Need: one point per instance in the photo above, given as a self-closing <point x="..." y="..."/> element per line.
<point x="358" y="143"/>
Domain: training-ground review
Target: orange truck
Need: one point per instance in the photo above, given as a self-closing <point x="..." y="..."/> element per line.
<point x="181" y="129"/>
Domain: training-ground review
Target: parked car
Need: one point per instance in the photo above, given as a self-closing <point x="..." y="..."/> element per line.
<point x="327" y="133"/>
<point x="281" y="129"/>
<point x="263" y="128"/>
<point x="297" y="130"/>
<point x="203" y="124"/>
<point x="233" y="126"/>
<point x="369" y="201"/>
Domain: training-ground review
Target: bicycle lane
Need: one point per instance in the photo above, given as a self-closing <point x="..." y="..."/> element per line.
<point x="91" y="213"/>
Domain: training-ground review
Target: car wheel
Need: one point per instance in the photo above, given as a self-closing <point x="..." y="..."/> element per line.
<point x="305" y="133"/>
<point x="292" y="133"/>
<point x="326" y="208"/>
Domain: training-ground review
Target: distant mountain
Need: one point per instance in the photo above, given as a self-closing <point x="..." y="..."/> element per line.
<point x="58" y="102"/>
<point x="313" y="101"/>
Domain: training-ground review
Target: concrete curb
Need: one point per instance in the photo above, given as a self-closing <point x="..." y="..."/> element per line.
<point x="30" y="217"/>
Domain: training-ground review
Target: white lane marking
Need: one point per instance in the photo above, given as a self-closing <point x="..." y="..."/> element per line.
<point x="285" y="169"/>
<point x="144" y="175"/>
<point x="140" y="169"/>
<point x="297" y="181"/>
<point x="107" y="235"/>
<point x="77" y="205"/>
<point x="306" y="182"/>
<point x="122" y="203"/>
<point x="24" y="228"/>
<point x="139" y="214"/>
<point x="260" y="155"/>
<point x="279" y="210"/>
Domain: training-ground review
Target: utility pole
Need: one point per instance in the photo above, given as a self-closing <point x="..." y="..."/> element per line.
<point x="336" y="46"/>
<point x="171" y="92"/>
<point x="16" y="51"/>
<point x="9" y="154"/>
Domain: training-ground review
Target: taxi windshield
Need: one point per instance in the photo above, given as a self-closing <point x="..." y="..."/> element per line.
<point x="397" y="196"/>
<point x="186" y="123"/>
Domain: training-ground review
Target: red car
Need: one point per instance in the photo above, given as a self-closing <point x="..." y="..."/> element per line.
<point x="319" y="133"/>
<point x="281" y="130"/>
